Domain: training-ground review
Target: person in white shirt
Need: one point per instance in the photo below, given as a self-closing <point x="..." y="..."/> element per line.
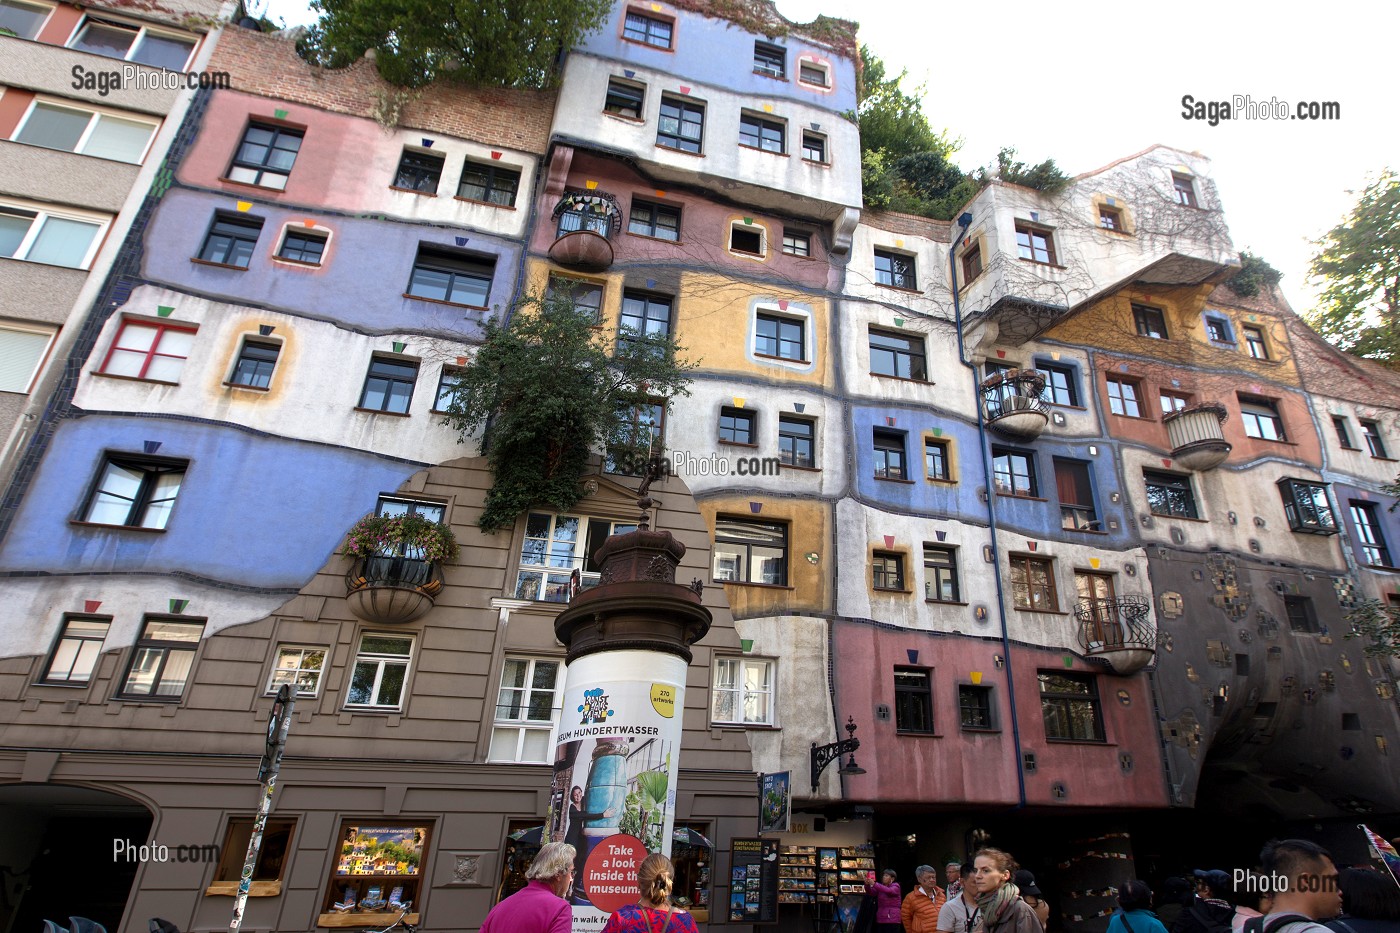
<point x="960" y="914"/>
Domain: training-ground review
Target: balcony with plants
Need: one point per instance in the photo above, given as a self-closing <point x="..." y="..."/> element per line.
<point x="1013" y="403"/>
<point x="397" y="570"/>
<point x="587" y="222"/>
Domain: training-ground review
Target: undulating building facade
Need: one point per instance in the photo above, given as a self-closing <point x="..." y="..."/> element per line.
<point x="1061" y="525"/>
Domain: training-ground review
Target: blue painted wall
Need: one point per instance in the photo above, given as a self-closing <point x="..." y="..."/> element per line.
<point x="1389" y="521"/>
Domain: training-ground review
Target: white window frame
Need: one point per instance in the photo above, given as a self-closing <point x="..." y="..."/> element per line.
<point x="43" y="355"/>
<point x="766" y="695"/>
<point x="95" y="115"/>
<point x="84" y="658"/>
<point x="381" y="659"/>
<point x="298" y="673"/>
<point x="523" y="724"/>
<point x="48" y="15"/>
<point x="754" y="227"/>
<point x="142" y="30"/>
<point x="42" y="213"/>
<point x="557" y="565"/>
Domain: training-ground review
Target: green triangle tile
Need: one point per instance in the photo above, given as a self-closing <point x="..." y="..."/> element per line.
<point x="1069" y="661"/>
<point x="177" y="606"/>
<point x="164" y="310"/>
<point x="399" y="347"/>
<point x="280" y="114"/>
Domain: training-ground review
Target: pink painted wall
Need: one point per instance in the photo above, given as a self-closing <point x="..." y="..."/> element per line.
<point x="13" y="104"/>
<point x="60" y="24"/>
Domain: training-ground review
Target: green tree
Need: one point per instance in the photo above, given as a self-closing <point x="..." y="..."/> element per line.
<point x="1255" y="273"/>
<point x="549" y="394"/>
<point x="1379" y="626"/>
<point x="1044" y="176"/>
<point x="1358" y="269"/>
<point x="498" y="43"/>
<point x="890" y="119"/>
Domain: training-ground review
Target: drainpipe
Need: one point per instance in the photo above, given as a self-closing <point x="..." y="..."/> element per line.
<point x="965" y="221"/>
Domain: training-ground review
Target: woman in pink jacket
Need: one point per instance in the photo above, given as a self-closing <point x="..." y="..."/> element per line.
<point x="887" y="902"/>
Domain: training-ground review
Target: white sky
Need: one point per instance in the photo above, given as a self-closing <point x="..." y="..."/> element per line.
<point x="1088" y="81"/>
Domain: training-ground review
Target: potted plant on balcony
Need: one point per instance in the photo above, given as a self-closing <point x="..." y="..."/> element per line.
<point x="410" y="536"/>
<point x="395" y="576"/>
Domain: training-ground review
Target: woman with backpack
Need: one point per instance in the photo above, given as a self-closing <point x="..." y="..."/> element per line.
<point x="1136" y="916"/>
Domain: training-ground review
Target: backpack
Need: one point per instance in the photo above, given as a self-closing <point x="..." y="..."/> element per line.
<point x="1212" y="925"/>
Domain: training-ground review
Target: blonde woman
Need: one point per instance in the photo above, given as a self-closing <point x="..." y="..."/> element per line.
<point x="653" y="912"/>
<point x="998" y="899"/>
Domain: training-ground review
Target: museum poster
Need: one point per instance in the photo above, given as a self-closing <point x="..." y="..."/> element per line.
<point x="753" y="881"/>
<point x="615" y="761"/>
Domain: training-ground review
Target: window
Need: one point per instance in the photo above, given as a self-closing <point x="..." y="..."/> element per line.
<point x="645" y="315"/>
<point x="1339" y="424"/>
<point x="265" y="156"/>
<point x="1261" y="420"/>
<point x="300" y="666"/>
<point x="813" y="147"/>
<point x="972" y="262"/>
<point x="446" y="388"/>
<point x="941" y="574"/>
<point x="813" y="74"/>
<point x="1035" y="243"/>
<point x="86" y="132"/>
<point x="889" y="454"/>
<point x="231" y="239"/>
<point x="1033" y="583"/>
<point x="638" y="434"/>
<point x="393" y="507"/>
<point x="1368" y="530"/>
<point x="132" y="43"/>
<point x="936" y="460"/>
<point x="975" y="708"/>
<point x="1254" y="342"/>
<point x="1075" y="490"/>
<point x="162" y="658"/>
<point x="796" y="441"/>
<point x="624" y="99"/>
<point x="1096" y="604"/>
<point x="380" y="672"/>
<point x="256" y="361"/>
<point x="682" y="124"/>
<point x="895" y="269"/>
<point x="887" y="571"/>
<point x="1306" y="507"/>
<point x="897" y="355"/>
<point x="913" y="700"/>
<point x="303" y="246"/>
<point x="494" y="184"/>
<point x="1218" y="330"/>
<point x="1372" y="432"/>
<point x="419" y="171"/>
<point x="389" y="385"/>
<point x="1169" y="494"/>
<point x="525" y="708"/>
<point x="746" y="239"/>
<point x="797" y="242"/>
<point x="456" y="278"/>
<point x="135" y="492"/>
<point x="22" y="19"/>
<point x="770" y="60"/>
<point x="76" y="651"/>
<point x="654" y="220"/>
<point x="750" y="552"/>
<point x="586" y="297"/>
<point x="1070" y="705"/>
<point x="39" y="235"/>
<point x="758" y="133"/>
<point x="1013" y="472"/>
<point x="556" y="545"/>
<point x="1150" y="322"/>
<point x="1061" y="386"/>
<point x="1185" y="189"/>
<point x="1301" y="616"/>
<point x="782" y="337"/>
<point x="272" y="856"/>
<point x="149" y="350"/>
<point x="1110" y="218"/>
<point x="21" y="352"/>
<point x="646" y="29"/>
<point x="1123" y="397"/>
<point x="743" y="692"/>
<point x="736" y="426"/>
<point x="1172" y="401"/>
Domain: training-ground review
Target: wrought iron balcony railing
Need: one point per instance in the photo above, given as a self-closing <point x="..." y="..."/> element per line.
<point x="1120" y="629"/>
<point x="1012" y="402"/>
<point x="393" y="588"/>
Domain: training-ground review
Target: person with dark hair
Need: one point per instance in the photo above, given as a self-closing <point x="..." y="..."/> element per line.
<point x="1135" y="916"/>
<point x="1307" y="886"/>
<point x="1370" y="903"/>
<point x="998" y="898"/>
<point x="960" y="914"/>
<point x="887" y="902"/>
<point x="574" y="834"/>
<point x="1210" y="911"/>
<point x="1033" y="896"/>
<point x="1176" y="895"/>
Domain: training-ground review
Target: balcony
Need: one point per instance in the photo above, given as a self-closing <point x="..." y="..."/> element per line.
<point x="392" y="590"/>
<point x="1196" y="437"/>
<point x="586" y="223"/>
<point x="1012" y="404"/>
<point x="1118" y="631"/>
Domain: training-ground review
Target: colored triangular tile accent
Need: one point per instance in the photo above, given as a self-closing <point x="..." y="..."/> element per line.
<point x="651" y="283"/>
<point x="164" y="310"/>
<point x="280" y="114"/>
<point x="1032" y="545"/>
<point x="755" y="507"/>
<point x="628" y="73"/>
<point x="1035" y="215"/>
<point x="937" y="432"/>
<point x="245" y="206"/>
<point x="799" y="407"/>
<point x="1055" y="355"/>
<point x="1069" y="660"/>
<point x="889" y="420"/>
<point x="1094" y="562"/>
<point x="151" y="447"/>
<point x="92" y="605"/>
<point x="265" y="330"/>
<point x="748" y="221"/>
<point x="684" y="89"/>
<point x="941" y="535"/>
<point x="782" y="304"/>
<point x="1111" y="202"/>
<point x="1122" y="367"/>
<point x="899" y="243"/>
<point x="462" y="241"/>
<point x="815" y="126"/>
<point x="399" y="346"/>
<point x="767" y="108"/>
<point x="177" y="606"/>
<point x="461" y="361"/>
<point x="912" y="654"/>
<point x="308" y="222"/>
<point x="591" y="185"/>
<point x="1166" y="463"/>
<point x="659" y="193"/>
<point x="746" y="644"/>
<point x="427" y="143"/>
<point x="899" y="322"/>
<point x="738" y="402"/>
<point x="1001" y="354"/>
<point x="889" y="541"/>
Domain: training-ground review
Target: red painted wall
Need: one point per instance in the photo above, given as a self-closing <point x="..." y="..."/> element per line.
<point x="13" y="104"/>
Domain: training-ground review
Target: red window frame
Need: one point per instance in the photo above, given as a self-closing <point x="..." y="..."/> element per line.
<point x="160" y="329"/>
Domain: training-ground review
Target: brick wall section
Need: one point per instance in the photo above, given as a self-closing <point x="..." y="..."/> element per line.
<point x="907" y="224"/>
<point x="268" y="65"/>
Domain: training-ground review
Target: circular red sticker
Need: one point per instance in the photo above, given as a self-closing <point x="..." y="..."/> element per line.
<point x="610" y="872"/>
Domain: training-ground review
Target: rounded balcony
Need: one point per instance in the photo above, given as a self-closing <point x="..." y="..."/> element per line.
<point x="1118" y="631"/>
<point x="392" y="590"/>
<point x="1198" y="443"/>
<point x="1012" y="403"/>
<point x="586" y="223"/>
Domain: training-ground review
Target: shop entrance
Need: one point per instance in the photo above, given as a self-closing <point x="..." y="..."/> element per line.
<point x="56" y="845"/>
